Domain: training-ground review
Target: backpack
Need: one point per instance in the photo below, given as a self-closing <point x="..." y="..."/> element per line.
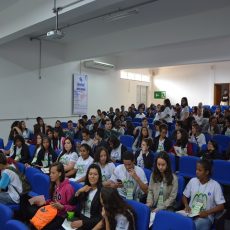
<point x="25" y="184"/>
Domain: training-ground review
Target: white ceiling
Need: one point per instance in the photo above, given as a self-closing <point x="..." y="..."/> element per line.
<point x="4" y="4"/>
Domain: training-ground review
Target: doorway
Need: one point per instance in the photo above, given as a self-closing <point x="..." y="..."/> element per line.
<point x="142" y="94"/>
<point x="218" y="92"/>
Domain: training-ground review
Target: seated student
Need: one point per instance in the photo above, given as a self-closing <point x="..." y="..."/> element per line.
<point x="86" y="138"/>
<point x="140" y="113"/>
<point x="50" y="135"/>
<point x="196" y="136"/>
<point x="130" y="180"/>
<point x="69" y="131"/>
<point x="178" y="125"/>
<point x="143" y="134"/>
<point x="61" y="192"/>
<point x="129" y="128"/>
<point x="46" y="156"/>
<point x="118" y="127"/>
<point x="107" y="167"/>
<point x="79" y="129"/>
<point x="226" y="129"/>
<point x="82" y="164"/>
<point x="144" y="123"/>
<point x="181" y="146"/>
<point x="163" y="185"/>
<point x="89" y="212"/>
<point x="99" y="140"/>
<point x="156" y="128"/>
<point x="10" y="182"/>
<point x="58" y="128"/>
<point x="213" y="127"/>
<point x="116" y="213"/>
<point x="68" y="157"/>
<point x="162" y="142"/>
<point x="57" y="140"/>
<point x="211" y="153"/>
<point x="116" y="149"/>
<point x="40" y="127"/>
<point x="26" y="133"/>
<point x="37" y="149"/>
<point x="144" y="157"/>
<point x="205" y="194"/>
<point x="20" y="151"/>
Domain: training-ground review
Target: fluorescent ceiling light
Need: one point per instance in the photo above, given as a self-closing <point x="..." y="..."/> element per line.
<point x="120" y="15"/>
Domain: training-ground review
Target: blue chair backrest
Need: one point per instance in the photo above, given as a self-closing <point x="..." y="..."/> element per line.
<point x="137" y="120"/>
<point x="150" y="120"/>
<point x="187" y="166"/>
<point x="1" y="143"/>
<point x="64" y="125"/>
<point x="222" y="141"/>
<point x="127" y="140"/>
<point x="221" y="171"/>
<point x="21" y="167"/>
<point x="148" y="174"/>
<point x="172" y="161"/>
<point x="31" y="151"/>
<point x="135" y="124"/>
<point x="208" y="137"/>
<point x="204" y="147"/>
<point x="76" y="185"/>
<point x="165" y="220"/>
<point x="16" y="225"/>
<point x="30" y="172"/>
<point x="142" y="214"/>
<point x="41" y="185"/>
<point x="9" y="144"/>
<point x="195" y="148"/>
<point x="181" y="186"/>
<point x="5" y="214"/>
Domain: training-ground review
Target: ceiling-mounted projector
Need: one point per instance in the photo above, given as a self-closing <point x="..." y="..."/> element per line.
<point x="55" y="34"/>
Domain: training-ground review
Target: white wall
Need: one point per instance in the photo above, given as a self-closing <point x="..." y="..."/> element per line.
<point x="194" y="81"/>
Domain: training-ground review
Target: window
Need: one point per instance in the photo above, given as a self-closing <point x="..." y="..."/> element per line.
<point x="134" y="76"/>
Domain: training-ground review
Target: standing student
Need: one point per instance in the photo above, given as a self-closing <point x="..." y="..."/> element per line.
<point x="40" y="127"/>
<point x="46" y="155"/>
<point x="88" y="198"/>
<point x="225" y="98"/>
<point x="10" y="182"/>
<point x="167" y="112"/>
<point x="82" y="164"/>
<point x="184" y="114"/>
<point x="163" y="185"/>
<point x="68" y="157"/>
<point x="116" y="213"/>
<point x="61" y="192"/>
<point x="206" y="196"/>
<point x="107" y="167"/>
<point x="144" y="157"/>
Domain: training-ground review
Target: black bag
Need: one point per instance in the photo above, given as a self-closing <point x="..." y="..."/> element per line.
<point x="25" y="184"/>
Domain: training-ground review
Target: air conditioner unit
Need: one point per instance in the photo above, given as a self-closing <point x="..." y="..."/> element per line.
<point x="98" y="65"/>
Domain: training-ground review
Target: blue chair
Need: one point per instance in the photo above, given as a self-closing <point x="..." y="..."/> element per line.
<point x="222" y="141"/>
<point x="64" y="125"/>
<point x="142" y="214"/>
<point x="40" y="186"/>
<point x="221" y="171"/>
<point x="135" y="124"/>
<point x="137" y="120"/>
<point x="16" y="225"/>
<point x="148" y="174"/>
<point x="165" y="220"/>
<point x="172" y="161"/>
<point x="1" y="143"/>
<point x="187" y="166"/>
<point x="181" y="186"/>
<point x="5" y="214"/>
<point x="14" y="207"/>
<point x="32" y="151"/>
<point x="195" y="148"/>
<point x="127" y="141"/>
<point x="76" y="185"/>
<point x="9" y="144"/>
<point x="150" y="120"/>
<point x="208" y="137"/>
<point x="21" y="167"/>
<point x="204" y="147"/>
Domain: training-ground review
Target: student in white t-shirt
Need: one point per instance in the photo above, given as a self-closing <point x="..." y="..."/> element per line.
<point x="130" y="180"/>
<point x="68" y="157"/>
<point x="197" y="137"/>
<point x="116" y="213"/>
<point x="86" y="138"/>
<point x="206" y="196"/>
<point x="82" y="164"/>
<point x="167" y="112"/>
<point x="107" y="167"/>
<point x="184" y="114"/>
<point x="9" y="181"/>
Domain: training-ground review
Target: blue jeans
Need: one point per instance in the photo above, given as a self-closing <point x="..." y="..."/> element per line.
<point x="203" y="223"/>
<point x="5" y="198"/>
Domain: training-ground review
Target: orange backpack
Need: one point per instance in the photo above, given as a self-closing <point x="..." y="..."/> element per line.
<point x="43" y="216"/>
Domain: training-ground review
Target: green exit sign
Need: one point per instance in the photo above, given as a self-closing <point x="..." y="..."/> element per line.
<point x="159" y="94"/>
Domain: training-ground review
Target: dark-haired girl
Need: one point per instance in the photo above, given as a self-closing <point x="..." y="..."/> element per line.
<point x="82" y="164"/>
<point x="206" y="196"/>
<point x="61" y="193"/>
<point x="117" y="214"/>
<point x="163" y="185"/>
<point x="144" y="133"/>
<point x="212" y="151"/>
<point x="107" y="167"/>
<point x="144" y="157"/>
<point x="197" y="137"/>
<point x="68" y="157"/>
<point x="89" y="213"/>
<point x="117" y="149"/>
<point x="46" y="155"/>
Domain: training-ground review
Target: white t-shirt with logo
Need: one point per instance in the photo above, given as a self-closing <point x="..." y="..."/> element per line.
<point x="116" y="153"/>
<point x="199" y="140"/>
<point x="209" y="194"/>
<point x="161" y="145"/>
<point x="86" y="210"/>
<point x="122" y="222"/>
<point x="107" y="171"/>
<point x="68" y="157"/>
<point x="89" y="142"/>
<point x="82" y="167"/>
<point x="129" y="184"/>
